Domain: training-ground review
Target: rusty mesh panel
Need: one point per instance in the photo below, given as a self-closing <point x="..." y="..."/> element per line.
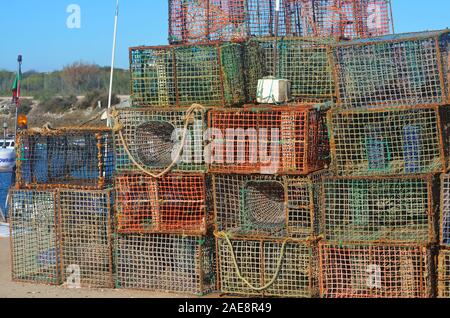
<point x="154" y="135"/>
<point x="267" y="206"/>
<point x="165" y="263"/>
<point x="85" y="236"/>
<point x="373" y="271"/>
<point x="66" y="158"/>
<point x="302" y="61"/>
<point x="444" y="273"/>
<point x="392" y="71"/>
<point x="445" y="210"/>
<point x="174" y="204"/>
<point x="397" y="210"/>
<point x="257" y="262"/>
<point x="211" y="75"/>
<point x="193" y="21"/>
<point x="386" y="142"/>
<point x="273" y="140"/>
<point x="34" y="239"/>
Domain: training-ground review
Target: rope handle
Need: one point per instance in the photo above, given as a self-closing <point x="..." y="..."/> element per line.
<point x="118" y="127"/>
<point x="238" y="270"/>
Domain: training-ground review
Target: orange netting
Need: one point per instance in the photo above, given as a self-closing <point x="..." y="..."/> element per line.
<point x="374" y="271"/>
<point x="272" y="140"/>
<point x="193" y="21"/>
<point x="173" y="204"/>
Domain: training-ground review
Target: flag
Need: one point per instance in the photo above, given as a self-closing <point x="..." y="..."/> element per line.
<point x="16" y="85"/>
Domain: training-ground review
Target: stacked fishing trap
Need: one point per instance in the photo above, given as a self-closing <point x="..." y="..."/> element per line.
<point x="61" y="208"/>
<point x="331" y="191"/>
<point x="388" y="143"/>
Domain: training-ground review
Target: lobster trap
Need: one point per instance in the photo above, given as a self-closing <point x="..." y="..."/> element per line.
<point x="34" y="237"/>
<point x="85" y="220"/>
<point x="302" y="61"/>
<point x="387" y="142"/>
<point x="398" y="70"/>
<point x="274" y="140"/>
<point x="174" y="204"/>
<point x="65" y="158"/>
<point x="267" y="206"/>
<point x="271" y="268"/>
<point x="445" y="210"/>
<point x="353" y="270"/>
<point x="389" y="209"/>
<point x="209" y="74"/>
<point x="151" y="139"/>
<point x="444" y="273"/>
<point x="165" y="263"/>
<point x="227" y="20"/>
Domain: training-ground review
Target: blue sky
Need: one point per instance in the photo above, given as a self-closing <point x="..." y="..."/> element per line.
<point x="37" y="29"/>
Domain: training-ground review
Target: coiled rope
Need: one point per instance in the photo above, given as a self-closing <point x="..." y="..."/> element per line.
<point x="190" y="116"/>
<point x="226" y="236"/>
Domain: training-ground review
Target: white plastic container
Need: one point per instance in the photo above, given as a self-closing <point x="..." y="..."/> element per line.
<point x="273" y="90"/>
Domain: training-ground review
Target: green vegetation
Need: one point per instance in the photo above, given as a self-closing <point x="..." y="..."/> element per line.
<point x="76" y="79"/>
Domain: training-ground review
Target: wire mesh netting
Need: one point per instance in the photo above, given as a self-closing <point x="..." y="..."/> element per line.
<point x="273" y="140"/>
<point x="153" y="138"/>
<point x="267" y="206"/>
<point x="303" y="61"/>
<point x="374" y="271"/>
<point x="225" y="20"/>
<point x="291" y="266"/>
<point x="165" y="263"/>
<point x="209" y="74"/>
<point x="398" y="210"/>
<point x="175" y="204"/>
<point x="85" y="236"/>
<point x="387" y="142"/>
<point x="398" y="70"/>
<point x="445" y="210"/>
<point x="444" y="273"/>
<point x="65" y="158"/>
<point x="34" y="238"/>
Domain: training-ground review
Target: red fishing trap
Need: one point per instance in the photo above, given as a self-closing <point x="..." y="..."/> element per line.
<point x="176" y="203"/>
<point x="272" y="140"/>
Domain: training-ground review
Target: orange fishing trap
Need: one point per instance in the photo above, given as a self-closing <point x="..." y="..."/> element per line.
<point x="165" y="263"/>
<point x="174" y="204"/>
<point x="444" y="273"/>
<point x="209" y="74"/>
<point x="226" y="20"/>
<point x="386" y="209"/>
<point x="395" y="70"/>
<point x="85" y="230"/>
<point x="273" y="140"/>
<point x="361" y="270"/>
<point x="267" y="268"/>
<point x="387" y="142"/>
<point x="35" y="251"/>
<point x="65" y="158"/>
<point x="151" y="139"/>
<point x="267" y="206"/>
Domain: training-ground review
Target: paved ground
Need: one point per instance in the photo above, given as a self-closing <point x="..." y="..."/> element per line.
<point x="8" y="289"/>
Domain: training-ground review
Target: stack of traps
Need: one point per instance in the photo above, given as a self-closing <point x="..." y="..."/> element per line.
<point x="61" y="209"/>
<point x="62" y="236"/>
<point x="232" y="20"/>
<point x="163" y="238"/>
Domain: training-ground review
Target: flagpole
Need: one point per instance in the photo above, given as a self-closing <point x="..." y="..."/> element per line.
<point x="19" y="71"/>
<point x="116" y="19"/>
